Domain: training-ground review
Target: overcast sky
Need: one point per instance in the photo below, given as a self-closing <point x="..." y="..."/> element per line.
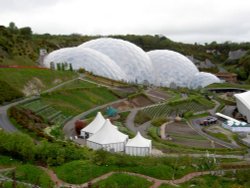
<point x="180" y="20"/>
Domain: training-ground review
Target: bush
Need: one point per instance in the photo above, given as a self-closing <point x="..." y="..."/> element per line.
<point x="188" y="114"/>
<point x="141" y="117"/>
<point x="158" y="121"/>
<point x="79" y="125"/>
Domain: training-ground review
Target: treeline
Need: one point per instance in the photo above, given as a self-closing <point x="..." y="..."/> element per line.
<point x="8" y="93"/>
<point x="21" y="146"/>
<point x="21" y="41"/>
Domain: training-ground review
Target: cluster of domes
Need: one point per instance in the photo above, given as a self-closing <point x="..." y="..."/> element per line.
<point x="121" y="60"/>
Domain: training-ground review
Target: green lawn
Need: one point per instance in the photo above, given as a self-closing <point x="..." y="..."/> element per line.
<point x="76" y="101"/>
<point x="161" y="168"/>
<point x="18" y="60"/>
<point x="218" y="135"/>
<point x="32" y="174"/>
<point x="123" y="181"/>
<point x="6" y="161"/>
<point x="78" y="84"/>
<point x="42" y="78"/>
<point x="208" y="181"/>
<point x="228" y="85"/>
<point x="10" y="185"/>
<point x="80" y="171"/>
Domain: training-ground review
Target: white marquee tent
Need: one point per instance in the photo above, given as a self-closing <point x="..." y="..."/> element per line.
<point x="108" y="138"/>
<point x="243" y="104"/>
<point x="94" y="126"/>
<point x="138" y="146"/>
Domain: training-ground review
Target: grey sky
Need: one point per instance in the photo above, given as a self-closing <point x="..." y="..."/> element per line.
<point x="180" y="20"/>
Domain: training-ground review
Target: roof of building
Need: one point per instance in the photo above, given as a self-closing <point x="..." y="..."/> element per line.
<point x="139" y="141"/>
<point x="95" y="125"/>
<point x="108" y="134"/>
<point x="237" y="124"/>
<point x="244" y="98"/>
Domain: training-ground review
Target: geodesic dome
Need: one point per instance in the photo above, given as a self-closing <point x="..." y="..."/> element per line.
<point x="130" y="58"/>
<point x="90" y="60"/>
<point x="121" y="60"/>
<point x="172" y="68"/>
<point x="203" y="79"/>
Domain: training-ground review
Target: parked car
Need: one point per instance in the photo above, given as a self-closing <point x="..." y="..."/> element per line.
<point x="208" y="121"/>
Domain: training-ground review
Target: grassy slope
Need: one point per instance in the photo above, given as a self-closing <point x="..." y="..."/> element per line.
<point x="17" y="78"/>
<point x="123" y="180"/>
<point x="75" y="101"/>
<point x="209" y="181"/>
<point x="162" y="168"/>
<point x="33" y="174"/>
<point x="18" y="60"/>
<point x="6" y="161"/>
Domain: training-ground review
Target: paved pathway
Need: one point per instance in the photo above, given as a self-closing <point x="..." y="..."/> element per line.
<point x="5" y="123"/>
<point x="131" y="125"/>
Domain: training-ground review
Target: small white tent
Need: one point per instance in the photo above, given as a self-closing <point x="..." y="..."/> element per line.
<point x="108" y="138"/>
<point x="138" y="146"/>
<point x="94" y="126"/>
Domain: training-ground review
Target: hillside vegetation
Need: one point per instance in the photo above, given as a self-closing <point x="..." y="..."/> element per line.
<point x="32" y="81"/>
<point x="21" y="42"/>
<point x="8" y="93"/>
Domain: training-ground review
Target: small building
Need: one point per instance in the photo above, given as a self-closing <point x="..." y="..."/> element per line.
<point x="138" y="146"/>
<point x="93" y="127"/>
<point x="243" y="104"/>
<point x="227" y="76"/>
<point x="236" y="126"/>
<point x="108" y="138"/>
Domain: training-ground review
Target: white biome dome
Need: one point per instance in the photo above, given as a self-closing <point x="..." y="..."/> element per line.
<point x="172" y="68"/>
<point x="130" y="58"/>
<point x="121" y="60"/>
<point x="203" y="79"/>
<point x="90" y="60"/>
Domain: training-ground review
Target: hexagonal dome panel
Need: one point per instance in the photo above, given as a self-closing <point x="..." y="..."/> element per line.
<point x="203" y="79"/>
<point x="89" y="59"/>
<point x="172" y="68"/>
<point x="129" y="57"/>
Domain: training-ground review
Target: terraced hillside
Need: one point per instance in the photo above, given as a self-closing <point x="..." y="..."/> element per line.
<point x="177" y="107"/>
<point x="75" y="101"/>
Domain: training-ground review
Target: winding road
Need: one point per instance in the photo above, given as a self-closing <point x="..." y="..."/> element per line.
<point x="5" y="123"/>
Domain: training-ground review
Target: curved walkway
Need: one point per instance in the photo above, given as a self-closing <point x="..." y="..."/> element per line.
<point x="156" y="182"/>
<point x="131" y="125"/>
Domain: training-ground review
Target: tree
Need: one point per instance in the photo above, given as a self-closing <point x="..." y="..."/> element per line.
<point x="63" y="66"/>
<point x="12" y="26"/>
<point x="58" y="66"/>
<point x="70" y="67"/>
<point x="52" y="65"/>
<point x="79" y="125"/>
<point x="26" y="32"/>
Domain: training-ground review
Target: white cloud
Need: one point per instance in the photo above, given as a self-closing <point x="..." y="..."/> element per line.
<point x="182" y="20"/>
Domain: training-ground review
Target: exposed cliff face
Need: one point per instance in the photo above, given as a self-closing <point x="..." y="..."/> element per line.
<point x="33" y="87"/>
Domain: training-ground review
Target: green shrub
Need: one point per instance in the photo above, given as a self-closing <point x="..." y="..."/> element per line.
<point x="158" y="121"/>
<point x="141" y="117"/>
